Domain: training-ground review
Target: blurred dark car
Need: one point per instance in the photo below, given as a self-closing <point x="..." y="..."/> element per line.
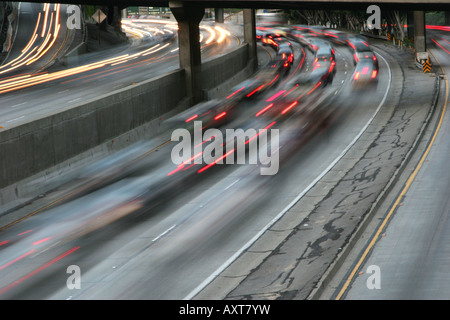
<point x="285" y="55"/>
<point x="324" y="65"/>
<point x="213" y="113"/>
<point x="366" y="73"/>
<point x="336" y="36"/>
<point x="361" y="50"/>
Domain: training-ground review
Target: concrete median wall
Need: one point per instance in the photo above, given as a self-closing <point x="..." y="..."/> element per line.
<point x="40" y="146"/>
<point x="216" y="71"/>
<point x="220" y="75"/>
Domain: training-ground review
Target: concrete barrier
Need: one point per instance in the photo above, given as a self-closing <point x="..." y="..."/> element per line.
<point x="220" y="75"/>
<point x="216" y="71"/>
<point x="38" y="145"/>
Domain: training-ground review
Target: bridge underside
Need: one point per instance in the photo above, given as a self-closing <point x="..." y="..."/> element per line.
<point x="284" y="4"/>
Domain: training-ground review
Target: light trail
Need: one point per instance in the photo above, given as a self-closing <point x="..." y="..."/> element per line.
<point x="33" y="51"/>
<point x="48" y="27"/>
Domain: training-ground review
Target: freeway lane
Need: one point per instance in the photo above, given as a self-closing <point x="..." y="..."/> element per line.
<point x="166" y="250"/>
<point x="33" y="52"/>
<point x="409" y="255"/>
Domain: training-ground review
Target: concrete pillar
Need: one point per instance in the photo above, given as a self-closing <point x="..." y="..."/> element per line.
<point x="419" y="31"/>
<point x="410" y="23"/>
<point x="250" y="32"/>
<point x="188" y="18"/>
<point x="218" y="15"/>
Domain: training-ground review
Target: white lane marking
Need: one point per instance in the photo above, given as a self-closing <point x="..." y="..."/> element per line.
<point x="164" y="233"/>
<point x="232" y="184"/>
<point x="76" y="99"/>
<point x="227" y="263"/>
<point x="17" y="105"/>
<point x="16" y="119"/>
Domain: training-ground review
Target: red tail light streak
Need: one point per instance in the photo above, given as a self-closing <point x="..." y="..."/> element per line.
<point x="315" y="87"/>
<point x="181" y="165"/>
<point x="17" y="259"/>
<point x="290" y="107"/>
<point x="276" y="77"/>
<point x="36" y="271"/>
<point x="264" y="110"/>
<point x="192" y="118"/>
<point x="374" y="74"/>
<point x="254" y="91"/>
<point x="276" y="95"/>
<point x="220" y="116"/>
<point x="237" y="91"/>
<point x="440" y="46"/>
<point x="216" y="161"/>
<point x="256" y="135"/>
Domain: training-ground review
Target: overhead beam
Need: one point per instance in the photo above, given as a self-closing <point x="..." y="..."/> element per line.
<point x="283" y="4"/>
<point x="250" y="32"/>
<point x="188" y="18"/>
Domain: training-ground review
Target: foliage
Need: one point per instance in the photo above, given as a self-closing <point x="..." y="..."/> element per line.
<point x="347" y="19"/>
<point x="436" y="18"/>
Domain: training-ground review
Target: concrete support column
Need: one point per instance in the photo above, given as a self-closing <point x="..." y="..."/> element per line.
<point x="410" y="23"/>
<point x="188" y="18"/>
<point x="218" y="15"/>
<point x="419" y="31"/>
<point x="250" y="32"/>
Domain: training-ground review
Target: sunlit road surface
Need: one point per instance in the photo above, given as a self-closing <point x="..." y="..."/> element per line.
<point x="165" y="244"/>
<point x="26" y="96"/>
<point x="410" y="260"/>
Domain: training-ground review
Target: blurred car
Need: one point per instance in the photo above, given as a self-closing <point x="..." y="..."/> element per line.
<point x="368" y="55"/>
<point x="324" y="65"/>
<point x="270" y="38"/>
<point x="213" y="113"/>
<point x="285" y="55"/>
<point x="366" y="73"/>
<point x="259" y="34"/>
<point x="324" y="51"/>
<point x="361" y="50"/>
<point x="323" y="72"/>
<point x="336" y="36"/>
<point x="311" y="42"/>
<point x="319" y="30"/>
<point x="266" y="78"/>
